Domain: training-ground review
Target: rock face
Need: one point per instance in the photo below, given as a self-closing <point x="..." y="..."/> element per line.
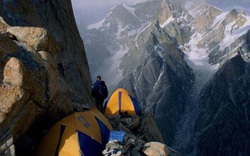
<point x="221" y="34"/>
<point x="162" y="63"/>
<point x="51" y="15"/>
<point x="44" y="74"/>
<point x="223" y="124"/>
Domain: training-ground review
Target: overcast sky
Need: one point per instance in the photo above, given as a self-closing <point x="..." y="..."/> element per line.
<point x="92" y="11"/>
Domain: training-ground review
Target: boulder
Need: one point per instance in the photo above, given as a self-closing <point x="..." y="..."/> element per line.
<point x="13" y="72"/>
<point x="155" y="149"/>
<point x="113" y="148"/>
<point x="3" y="25"/>
<point x="37" y="38"/>
<point x="12" y="99"/>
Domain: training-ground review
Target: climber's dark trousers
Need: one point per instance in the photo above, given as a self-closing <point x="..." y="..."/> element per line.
<point x="99" y="104"/>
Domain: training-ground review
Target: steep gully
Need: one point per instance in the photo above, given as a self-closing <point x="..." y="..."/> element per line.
<point x="197" y="59"/>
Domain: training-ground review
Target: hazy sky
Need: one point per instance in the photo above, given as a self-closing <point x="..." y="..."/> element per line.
<point x="92" y="11"/>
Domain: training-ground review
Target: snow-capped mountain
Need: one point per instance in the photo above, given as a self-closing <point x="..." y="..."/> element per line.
<point x="169" y="55"/>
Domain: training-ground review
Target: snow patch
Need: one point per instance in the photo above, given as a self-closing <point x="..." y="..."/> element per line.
<point x="134" y="2"/>
<point x="141" y="70"/>
<point x="143" y="28"/>
<point x="95" y="25"/>
<point x="159" y="77"/>
<point x="170" y="19"/>
<point x="219" y="19"/>
<point x="196" y="55"/>
<point x="99" y="24"/>
<point x="130" y="9"/>
<point x="232" y="33"/>
<point x="159" y="50"/>
<point x="198" y="60"/>
<point x="120" y="30"/>
<point x="115" y="61"/>
<point x="130" y="32"/>
<point x="198" y="10"/>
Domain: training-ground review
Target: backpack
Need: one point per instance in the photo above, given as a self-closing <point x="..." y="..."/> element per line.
<point x="102" y="91"/>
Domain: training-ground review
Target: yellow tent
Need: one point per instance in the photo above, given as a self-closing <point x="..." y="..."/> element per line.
<point x="121" y="102"/>
<point x="83" y="133"/>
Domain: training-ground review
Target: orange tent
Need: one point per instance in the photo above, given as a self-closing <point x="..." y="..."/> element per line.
<point x="121" y="102"/>
<point x="82" y="133"/>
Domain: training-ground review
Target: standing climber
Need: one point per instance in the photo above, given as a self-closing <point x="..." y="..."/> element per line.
<point x="99" y="92"/>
